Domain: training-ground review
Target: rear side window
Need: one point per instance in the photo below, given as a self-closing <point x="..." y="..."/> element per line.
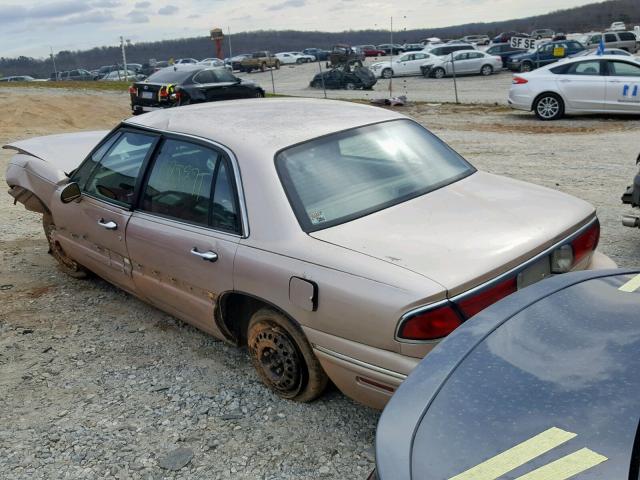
<point x="623" y="69"/>
<point x="179" y="185"/>
<point x="205" y="76"/>
<point x="591" y="67"/>
<point x="114" y="178"/>
<point x="194" y="184"/>
<point x="627" y="36"/>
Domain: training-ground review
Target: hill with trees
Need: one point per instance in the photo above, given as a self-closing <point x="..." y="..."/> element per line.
<point x="595" y="16"/>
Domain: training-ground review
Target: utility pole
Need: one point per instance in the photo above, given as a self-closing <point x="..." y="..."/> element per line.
<point x="53" y="59"/>
<point x="229" y="37"/>
<point x="124" y="59"/>
<point x="391" y="63"/>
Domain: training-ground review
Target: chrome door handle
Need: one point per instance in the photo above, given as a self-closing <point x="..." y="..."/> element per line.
<point x="208" y="256"/>
<point x="108" y="225"/>
<point x="615" y="81"/>
<point x="565" y="80"/>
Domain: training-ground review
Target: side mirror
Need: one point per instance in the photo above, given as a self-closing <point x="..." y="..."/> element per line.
<point x="70" y="193"/>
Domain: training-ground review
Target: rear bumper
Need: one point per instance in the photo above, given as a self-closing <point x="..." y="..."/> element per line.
<point x="366" y="374"/>
<point x="600" y="261"/>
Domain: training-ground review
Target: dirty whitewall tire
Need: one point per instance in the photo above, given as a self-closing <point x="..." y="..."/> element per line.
<point x="283" y="357"/>
<point x="65" y="263"/>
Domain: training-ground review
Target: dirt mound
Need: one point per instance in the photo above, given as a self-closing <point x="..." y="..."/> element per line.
<point x="53" y="112"/>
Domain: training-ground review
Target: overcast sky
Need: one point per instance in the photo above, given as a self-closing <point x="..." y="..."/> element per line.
<point x="30" y="27"/>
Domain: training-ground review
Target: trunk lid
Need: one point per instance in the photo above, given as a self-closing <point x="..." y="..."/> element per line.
<point x="465" y="233"/>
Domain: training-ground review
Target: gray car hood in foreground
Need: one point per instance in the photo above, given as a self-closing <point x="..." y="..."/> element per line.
<point x="467" y="232"/>
<point x="559" y="357"/>
<point x="65" y="151"/>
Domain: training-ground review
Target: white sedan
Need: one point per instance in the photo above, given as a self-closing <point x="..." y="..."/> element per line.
<point x="288" y="58"/>
<point x="463" y="62"/>
<point x="407" y="64"/>
<point x="590" y="84"/>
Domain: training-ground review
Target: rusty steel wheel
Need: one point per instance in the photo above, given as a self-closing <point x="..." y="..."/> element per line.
<point x="66" y="263"/>
<point x="283" y="357"/>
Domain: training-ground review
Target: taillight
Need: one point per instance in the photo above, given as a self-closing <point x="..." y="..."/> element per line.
<point x="163" y="92"/>
<point x="586" y="243"/>
<point x="519" y="80"/>
<point x="133" y="90"/>
<point x="431" y="324"/>
<point x="476" y="302"/>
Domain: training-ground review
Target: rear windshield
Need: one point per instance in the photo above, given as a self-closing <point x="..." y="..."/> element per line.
<point x="347" y="175"/>
<point x="169" y="75"/>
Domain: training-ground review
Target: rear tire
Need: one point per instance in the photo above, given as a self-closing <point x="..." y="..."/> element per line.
<point x="283" y="357"/>
<point x="526" y="67"/>
<point x="65" y="263"/>
<point x="549" y="106"/>
<point x="486" y="70"/>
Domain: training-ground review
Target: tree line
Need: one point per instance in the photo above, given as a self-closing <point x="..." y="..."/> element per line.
<point x="596" y="16"/>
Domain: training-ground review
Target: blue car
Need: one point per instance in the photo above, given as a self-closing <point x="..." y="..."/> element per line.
<point x="545" y="54"/>
<point x="542" y="385"/>
<point x="504" y="50"/>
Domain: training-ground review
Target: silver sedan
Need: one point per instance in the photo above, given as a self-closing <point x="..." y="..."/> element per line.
<point x="466" y="62"/>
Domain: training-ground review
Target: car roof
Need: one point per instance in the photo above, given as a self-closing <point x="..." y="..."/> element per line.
<point x="264" y="125"/>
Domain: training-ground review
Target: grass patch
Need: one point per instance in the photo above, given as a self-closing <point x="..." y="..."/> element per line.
<point x="71" y="85"/>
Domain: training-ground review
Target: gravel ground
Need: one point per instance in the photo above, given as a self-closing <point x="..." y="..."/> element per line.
<point x="96" y="384"/>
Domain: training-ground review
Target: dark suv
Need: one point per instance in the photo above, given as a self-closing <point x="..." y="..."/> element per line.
<point x="504" y="50"/>
<point x="545" y="54"/>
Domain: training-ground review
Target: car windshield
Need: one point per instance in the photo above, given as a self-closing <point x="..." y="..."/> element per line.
<point x="170" y="75"/>
<point x="350" y="174"/>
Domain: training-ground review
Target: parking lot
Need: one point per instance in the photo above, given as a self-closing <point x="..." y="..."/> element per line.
<point x="294" y="80"/>
<point x="96" y="384"/>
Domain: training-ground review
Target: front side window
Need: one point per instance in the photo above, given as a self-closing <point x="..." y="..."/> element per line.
<point x="83" y="172"/>
<point x="610" y="37"/>
<point x="350" y="174"/>
<point x="624" y="69"/>
<point x="114" y="178"/>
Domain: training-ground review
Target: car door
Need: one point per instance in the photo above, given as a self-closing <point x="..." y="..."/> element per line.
<point x="622" y="87"/>
<point x="207" y="83"/>
<point x="460" y="63"/>
<point x="582" y="85"/>
<point x="413" y="67"/>
<point x="231" y="86"/>
<point x="92" y="230"/>
<point x="474" y="62"/>
<point x="183" y="236"/>
<point x="611" y="40"/>
<point x="402" y="65"/>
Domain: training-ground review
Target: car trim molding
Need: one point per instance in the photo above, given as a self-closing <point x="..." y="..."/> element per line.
<point x="360" y="363"/>
<point x="488" y="284"/>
